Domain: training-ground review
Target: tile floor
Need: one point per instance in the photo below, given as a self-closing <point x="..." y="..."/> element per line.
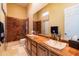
<point x="13" y="49"/>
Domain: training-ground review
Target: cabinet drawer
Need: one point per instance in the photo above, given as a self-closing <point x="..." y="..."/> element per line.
<point x="41" y="47"/>
<point x="53" y="54"/>
<point x="34" y="48"/>
<point x="34" y="43"/>
<point x="41" y="51"/>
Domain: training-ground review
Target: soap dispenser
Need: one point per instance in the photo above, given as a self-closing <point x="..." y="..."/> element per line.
<point x="66" y="37"/>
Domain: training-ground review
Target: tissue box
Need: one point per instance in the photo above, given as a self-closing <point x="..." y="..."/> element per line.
<point x="74" y="44"/>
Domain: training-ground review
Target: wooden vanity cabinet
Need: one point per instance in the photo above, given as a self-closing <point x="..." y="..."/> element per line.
<point x="52" y="54"/>
<point x="34" y="48"/>
<point x="41" y="51"/>
<point x="29" y="46"/>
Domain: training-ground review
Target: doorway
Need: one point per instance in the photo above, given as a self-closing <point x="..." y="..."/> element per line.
<point x="45" y="27"/>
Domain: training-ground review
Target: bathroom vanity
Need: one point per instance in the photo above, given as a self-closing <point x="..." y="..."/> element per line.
<point x="37" y="45"/>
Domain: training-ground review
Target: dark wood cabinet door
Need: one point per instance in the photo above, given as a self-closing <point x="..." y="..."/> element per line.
<point x="34" y="51"/>
<point x="34" y="48"/>
<point x="37" y="26"/>
<point x="34" y="26"/>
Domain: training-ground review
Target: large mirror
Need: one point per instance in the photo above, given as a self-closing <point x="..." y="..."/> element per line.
<point x="72" y="21"/>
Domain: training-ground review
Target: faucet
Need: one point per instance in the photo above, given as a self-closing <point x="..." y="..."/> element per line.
<point x="56" y="37"/>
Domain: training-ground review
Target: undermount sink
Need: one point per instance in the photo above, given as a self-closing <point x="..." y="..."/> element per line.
<point x="31" y="35"/>
<point x="56" y="44"/>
